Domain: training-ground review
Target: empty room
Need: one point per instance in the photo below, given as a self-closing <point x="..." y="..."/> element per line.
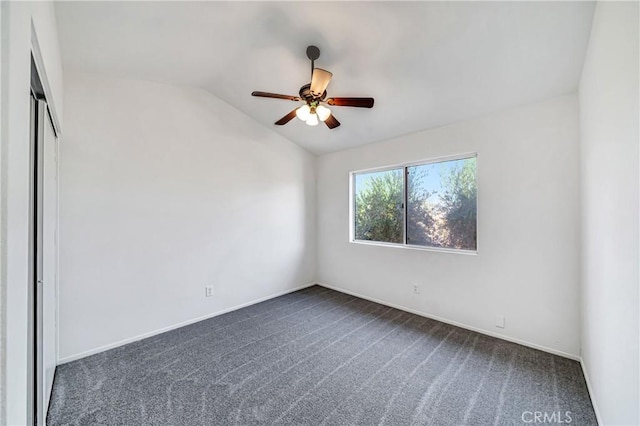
<point x="319" y="213"/>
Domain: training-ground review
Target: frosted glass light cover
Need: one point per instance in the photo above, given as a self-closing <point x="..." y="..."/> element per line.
<point x="323" y="112"/>
<point x="304" y="112"/>
<point x="312" y="120"/>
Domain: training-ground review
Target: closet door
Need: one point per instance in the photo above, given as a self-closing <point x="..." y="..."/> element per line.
<point x="50" y="259"/>
<point x="44" y="260"/>
<point x="36" y="257"/>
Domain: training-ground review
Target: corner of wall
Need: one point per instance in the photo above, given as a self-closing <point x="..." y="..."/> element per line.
<point x="610" y="224"/>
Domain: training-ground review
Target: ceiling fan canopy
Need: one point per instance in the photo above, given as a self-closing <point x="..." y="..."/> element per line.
<point x="314" y="96"/>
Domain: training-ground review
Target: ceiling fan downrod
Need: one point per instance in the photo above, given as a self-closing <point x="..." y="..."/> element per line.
<point x="313" y="53"/>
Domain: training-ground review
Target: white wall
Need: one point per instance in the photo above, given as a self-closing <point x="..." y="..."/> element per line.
<point x="20" y="23"/>
<point x="2" y="232"/>
<point x="609" y="176"/>
<point x="527" y="266"/>
<point x="164" y="190"/>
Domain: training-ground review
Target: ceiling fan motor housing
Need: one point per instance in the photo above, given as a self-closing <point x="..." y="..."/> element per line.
<point x="305" y="93"/>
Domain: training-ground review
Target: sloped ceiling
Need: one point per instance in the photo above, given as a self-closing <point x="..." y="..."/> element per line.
<point x="426" y="63"/>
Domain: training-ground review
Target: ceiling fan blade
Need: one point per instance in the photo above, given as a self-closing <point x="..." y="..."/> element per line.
<point x="331" y="122"/>
<point x="319" y="81"/>
<point x="287" y="118"/>
<point x="275" y="95"/>
<point x="352" y="102"/>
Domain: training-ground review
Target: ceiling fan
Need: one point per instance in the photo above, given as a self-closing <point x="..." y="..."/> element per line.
<point x="314" y="95"/>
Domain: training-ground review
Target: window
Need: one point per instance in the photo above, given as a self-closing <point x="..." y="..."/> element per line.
<point x="379" y="199"/>
<point x="440" y="200"/>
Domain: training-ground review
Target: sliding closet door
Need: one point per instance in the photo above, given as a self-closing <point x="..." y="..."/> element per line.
<point x="43" y="258"/>
<point x="49" y="258"/>
<point x="36" y="256"/>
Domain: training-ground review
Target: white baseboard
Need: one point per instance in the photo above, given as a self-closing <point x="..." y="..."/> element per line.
<point x="590" y="390"/>
<point x="457" y="324"/>
<point x="174" y="326"/>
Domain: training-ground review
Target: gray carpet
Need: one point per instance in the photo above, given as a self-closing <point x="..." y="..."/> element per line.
<point x="320" y="357"/>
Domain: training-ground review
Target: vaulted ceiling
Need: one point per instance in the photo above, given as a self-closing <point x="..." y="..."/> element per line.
<point x="426" y="63"/>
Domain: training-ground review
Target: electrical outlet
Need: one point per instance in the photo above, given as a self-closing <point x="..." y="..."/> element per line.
<point x="500" y="321"/>
<point x="208" y="291"/>
<point x="416" y="289"/>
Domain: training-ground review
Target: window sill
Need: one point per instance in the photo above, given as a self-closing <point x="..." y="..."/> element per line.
<point x="413" y="247"/>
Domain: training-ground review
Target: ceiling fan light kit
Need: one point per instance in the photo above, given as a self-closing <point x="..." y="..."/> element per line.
<point x="304" y="112"/>
<point x="313" y="95"/>
<point x="312" y="120"/>
<point x="323" y="112"/>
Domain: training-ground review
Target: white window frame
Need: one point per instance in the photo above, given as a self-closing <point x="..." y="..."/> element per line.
<point x="404" y="166"/>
